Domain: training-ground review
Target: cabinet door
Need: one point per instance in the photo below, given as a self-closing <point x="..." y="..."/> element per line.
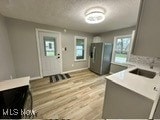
<point x="121" y="103"/>
<point x="157" y="112"/>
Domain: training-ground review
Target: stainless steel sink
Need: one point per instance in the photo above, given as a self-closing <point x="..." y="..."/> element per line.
<point x="145" y="73"/>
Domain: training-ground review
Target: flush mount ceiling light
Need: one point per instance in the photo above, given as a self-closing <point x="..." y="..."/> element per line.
<point x="95" y="15"/>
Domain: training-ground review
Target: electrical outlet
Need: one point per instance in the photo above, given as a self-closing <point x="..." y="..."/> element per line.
<point x="72" y="65"/>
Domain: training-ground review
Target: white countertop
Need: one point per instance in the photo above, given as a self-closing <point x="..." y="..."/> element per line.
<point x="14" y="83"/>
<point x="139" y="84"/>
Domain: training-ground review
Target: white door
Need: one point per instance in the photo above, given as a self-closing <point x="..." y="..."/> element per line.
<point x="50" y="52"/>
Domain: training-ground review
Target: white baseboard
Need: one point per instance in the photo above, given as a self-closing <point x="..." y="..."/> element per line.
<point x="74" y="70"/>
<point x="35" y="78"/>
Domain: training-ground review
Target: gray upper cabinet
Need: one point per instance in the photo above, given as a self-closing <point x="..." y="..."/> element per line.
<point x="147" y="39"/>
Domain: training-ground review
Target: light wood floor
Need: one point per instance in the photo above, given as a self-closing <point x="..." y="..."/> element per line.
<point x="78" y="98"/>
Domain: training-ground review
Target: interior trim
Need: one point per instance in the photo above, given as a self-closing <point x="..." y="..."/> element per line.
<point x="74" y="70"/>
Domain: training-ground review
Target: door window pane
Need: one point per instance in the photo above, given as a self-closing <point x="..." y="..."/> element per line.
<point x="49" y="46"/>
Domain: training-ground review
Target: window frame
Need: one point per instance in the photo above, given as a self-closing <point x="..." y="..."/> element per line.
<point x="130" y="47"/>
<point x="85" y="48"/>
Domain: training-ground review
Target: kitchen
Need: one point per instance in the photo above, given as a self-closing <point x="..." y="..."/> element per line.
<point x="129" y="73"/>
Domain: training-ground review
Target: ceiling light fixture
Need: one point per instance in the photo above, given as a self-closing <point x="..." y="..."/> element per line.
<point x="95" y="15"/>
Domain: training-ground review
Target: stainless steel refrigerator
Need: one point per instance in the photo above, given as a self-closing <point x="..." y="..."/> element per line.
<point x="100" y="57"/>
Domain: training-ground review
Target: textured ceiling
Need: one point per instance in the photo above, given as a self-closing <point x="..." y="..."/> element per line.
<point x="69" y="14"/>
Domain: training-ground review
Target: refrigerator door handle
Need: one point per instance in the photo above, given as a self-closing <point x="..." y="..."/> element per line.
<point x="93" y="60"/>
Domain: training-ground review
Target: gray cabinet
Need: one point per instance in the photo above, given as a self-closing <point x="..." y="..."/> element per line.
<point x="157" y="112"/>
<point x="122" y="103"/>
<point x="116" y="68"/>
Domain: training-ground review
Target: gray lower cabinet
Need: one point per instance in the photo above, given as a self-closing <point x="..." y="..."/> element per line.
<point x="116" y="68"/>
<point x="157" y="111"/>
<point x="122" y="103"/>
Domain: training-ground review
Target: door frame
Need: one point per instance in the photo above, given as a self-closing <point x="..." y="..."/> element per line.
<point x="38" y="48"/>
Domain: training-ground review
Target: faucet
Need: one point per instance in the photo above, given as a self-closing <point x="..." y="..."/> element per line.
<point x="153" y="62"/>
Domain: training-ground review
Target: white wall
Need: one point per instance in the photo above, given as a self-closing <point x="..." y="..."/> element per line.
<point x="109" y="36"/>
<point x="6" y="61"/>
<point x="22" y="37"/>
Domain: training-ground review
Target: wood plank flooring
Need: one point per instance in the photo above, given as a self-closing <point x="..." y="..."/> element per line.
<point x="78" y="98"/>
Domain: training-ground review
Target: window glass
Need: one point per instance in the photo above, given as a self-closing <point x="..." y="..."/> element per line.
<point x="120" y="57"/>
<point x="49" y="46"/>
<point x="80" y="48"/>
<point x="121" y="49"/>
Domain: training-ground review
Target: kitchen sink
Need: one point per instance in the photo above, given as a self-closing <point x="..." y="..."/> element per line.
<point x="145" y="73"/>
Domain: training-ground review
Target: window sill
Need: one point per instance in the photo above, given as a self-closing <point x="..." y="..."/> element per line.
<point x="80" y="60"/>
<point x="120" y="64"/>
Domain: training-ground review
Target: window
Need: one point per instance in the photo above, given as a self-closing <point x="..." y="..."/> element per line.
<point x="49" y="46"/>
<point x="80" y="48"/>
<point x="122" y="48"/>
